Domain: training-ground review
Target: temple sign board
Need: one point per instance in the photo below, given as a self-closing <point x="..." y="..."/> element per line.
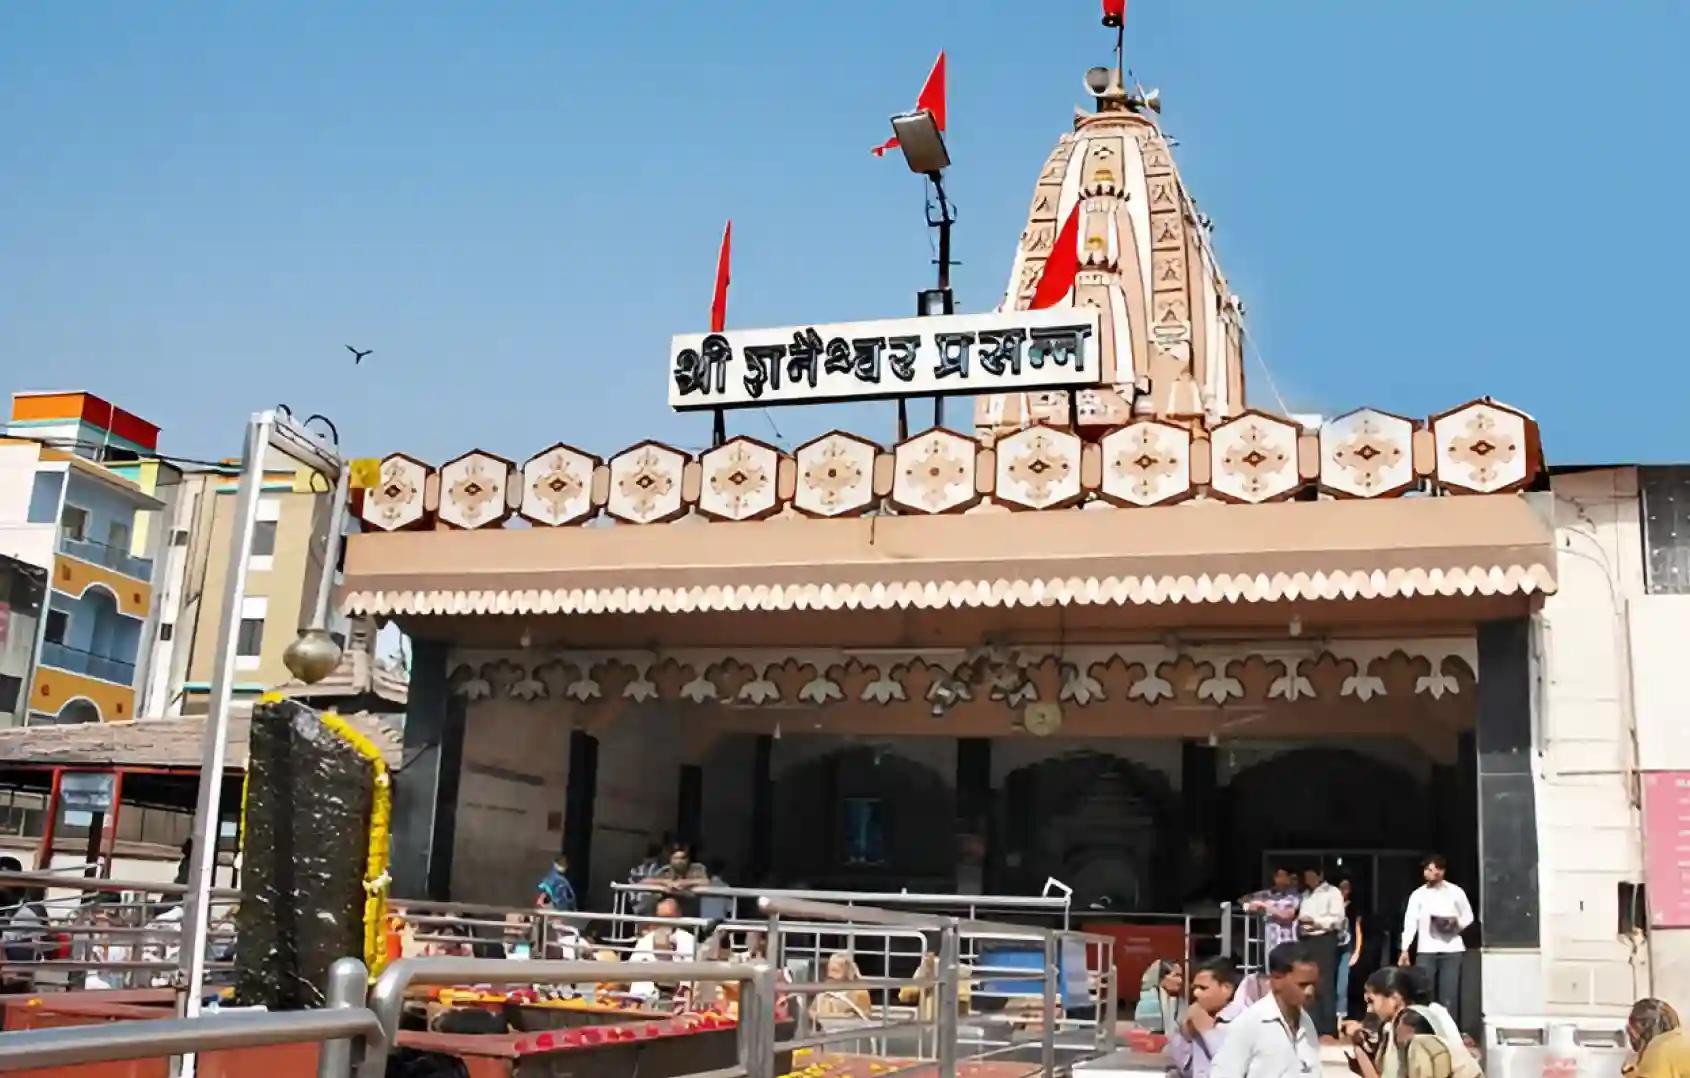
<point x="997" y="352"/>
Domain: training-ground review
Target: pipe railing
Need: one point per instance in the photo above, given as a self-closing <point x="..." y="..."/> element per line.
<point x="756" y="1020"/>
<point x="341" y="1027"/>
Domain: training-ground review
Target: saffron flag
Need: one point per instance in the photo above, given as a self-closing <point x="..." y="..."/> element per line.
<point x="932" y="99"/>
<point x="719" y="300"/>
<point x="1061" y="267"/>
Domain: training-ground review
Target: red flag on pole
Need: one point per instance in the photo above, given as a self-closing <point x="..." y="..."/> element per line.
<point x="1114" y="13"/>
<point x="1061" y="267"/>
<point x="932" y="99"/>
<point x="719" y="301"/>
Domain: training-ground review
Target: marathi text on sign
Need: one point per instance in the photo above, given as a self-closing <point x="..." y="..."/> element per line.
<point x="906" y="357"/>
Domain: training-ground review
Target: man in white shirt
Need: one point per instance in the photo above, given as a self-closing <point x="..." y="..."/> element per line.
<point x="1275" y="1037"/>
<point x="1438" y="912"/>
<point x="664" y="943"/>
<point x="1320" y="918"/>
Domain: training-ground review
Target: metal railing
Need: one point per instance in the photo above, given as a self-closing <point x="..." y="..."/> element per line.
<point x="111" y="557"/>
<point x="757" y="1046"/>
<point x="345" y="1028"/>
<point x="77" y="661"/>
<point x="741" y="902"/>
<point x="104" y="934"/>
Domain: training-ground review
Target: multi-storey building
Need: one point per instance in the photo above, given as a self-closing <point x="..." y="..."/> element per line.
<point x="66" y="506"/>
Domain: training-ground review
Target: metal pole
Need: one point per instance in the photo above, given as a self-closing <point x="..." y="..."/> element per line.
<point x="1226" y="929"/>
<point x="347" y="980"/>
<point x="945" y="999"/>
<point x="196" y="914"/>
<point x="945" y="220"/>
<point x="331" y="550"/>
<point x="1047" y="1042"/>
<point x="757" y="1024"/>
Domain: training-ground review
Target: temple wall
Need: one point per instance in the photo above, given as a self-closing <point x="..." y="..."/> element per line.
<point x="1589" y="833"/>
<point x="510" y="800"/>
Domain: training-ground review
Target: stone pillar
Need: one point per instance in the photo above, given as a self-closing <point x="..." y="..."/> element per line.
<point x="973" y="812"/>
<point x="1508" y="901"/>
<point x="689" y="805"/>
<point x="579" y="798"/>
<point x="762" y="811"/>
<point x="1197" y="853"/>
<point x="425" y="792"/>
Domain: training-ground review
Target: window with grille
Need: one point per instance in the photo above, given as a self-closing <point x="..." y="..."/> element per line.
<point x="1666" y="529"/>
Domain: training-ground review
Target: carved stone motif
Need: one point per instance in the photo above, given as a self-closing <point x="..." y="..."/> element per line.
<point x="740" y="480"/>
<point x="1367" y="454"/>
<point x="1039" y="468"/>
<point x="1209" y="674"/>
<point x="835" y="476"/>
<point x="472" y="490"/>
<point x="397" y="500"/>
<point x="1254" y="458"/>
<point x="1146" y="463"/>
<point x="645" y="484"/>
<point x="1484" y="448"/>
<point x="934" y="473"/>
<point x="557" y="486"/>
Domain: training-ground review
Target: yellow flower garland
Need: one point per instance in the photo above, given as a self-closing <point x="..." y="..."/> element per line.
<point x="376" y="879"/>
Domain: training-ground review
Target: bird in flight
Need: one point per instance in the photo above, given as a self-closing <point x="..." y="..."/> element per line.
<point x="358" y="356"/>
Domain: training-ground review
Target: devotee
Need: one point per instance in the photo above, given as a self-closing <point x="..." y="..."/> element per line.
<point x="681" y="877"/>
<point x="556" y="892"/>
<point x="1423" y="1053"/>
<point x="847" y="1003"/>
<point x="642" y="872"/>
<point x="1350" y="943"/>
<point x="1320" y="918"/>
<point x="1391" y="993"/>
<point x="1659" y="1044"/>
<point x="1278" y="906"/>
<point x="1161" y="997"/>
<point x="1275" y="1037"/>
<point x="1438" y="912"/>
<point x="664" y="943"/>
<point x="928" y="968"/>
<point x="1196" y="1039"/>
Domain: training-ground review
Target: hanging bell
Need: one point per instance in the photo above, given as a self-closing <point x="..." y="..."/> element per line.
<point x="312" y="656"/>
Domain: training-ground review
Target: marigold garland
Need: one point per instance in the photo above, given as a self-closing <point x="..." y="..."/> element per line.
<point x="376" y="879"/>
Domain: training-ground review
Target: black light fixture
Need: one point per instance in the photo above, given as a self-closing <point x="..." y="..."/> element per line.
<point x="921" y="140"/>
<point x="923" y="144"/>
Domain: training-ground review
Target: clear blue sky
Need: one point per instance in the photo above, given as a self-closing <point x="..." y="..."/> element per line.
<point x="516" y="204"/>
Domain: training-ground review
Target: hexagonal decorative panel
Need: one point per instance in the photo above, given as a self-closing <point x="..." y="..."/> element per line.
<point x="557" y="486"/>
<point x="1039" y="468"/>
<point x="1484" y="448"/>
<point x="397" y="501"/>
<point x="740" y="480"/>
<point x="934" y="473"/>
<point x="645" y="484"/>
<point x="835" y="475"/>
<point x="472" y="490"/>
<point x="1146" y="463"/>
<point x="1254" y="458"/>
<point x="1367" y="454"/>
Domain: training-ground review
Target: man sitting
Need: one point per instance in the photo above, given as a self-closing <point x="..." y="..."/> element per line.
<point x="663" y="943"/>
<point x="1197" y="1040"/>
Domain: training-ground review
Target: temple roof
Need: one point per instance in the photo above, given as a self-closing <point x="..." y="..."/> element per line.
<point x="1112" y="226"/>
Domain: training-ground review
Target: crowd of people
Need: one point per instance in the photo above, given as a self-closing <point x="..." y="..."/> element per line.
<point x="1321" y="915"/>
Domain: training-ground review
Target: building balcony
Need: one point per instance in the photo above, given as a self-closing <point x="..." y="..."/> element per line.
<point x="103" y="667"/>
<point x="110" y="557"/>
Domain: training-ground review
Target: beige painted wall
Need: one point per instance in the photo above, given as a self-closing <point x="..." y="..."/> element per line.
<point x="1589" y="833"/>
<point x="510" y="800"/>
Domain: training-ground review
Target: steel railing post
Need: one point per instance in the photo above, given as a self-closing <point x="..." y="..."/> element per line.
<point x="1226" y="929"/>
<point x="1047" y="1043"/>
<point x="757" y="1024"/>
<point x="945" y="995"/>
<point x="348" y="978"/>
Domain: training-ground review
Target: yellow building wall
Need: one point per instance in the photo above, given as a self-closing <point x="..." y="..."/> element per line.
<point x="55" y="688"/>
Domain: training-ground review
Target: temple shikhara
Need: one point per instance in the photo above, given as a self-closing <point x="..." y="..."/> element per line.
<point x="1130" y="629"/>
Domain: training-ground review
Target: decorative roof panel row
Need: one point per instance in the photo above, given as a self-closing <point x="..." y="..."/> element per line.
<point x="1479" y="448"/>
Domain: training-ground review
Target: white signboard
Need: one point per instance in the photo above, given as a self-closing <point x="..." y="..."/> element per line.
<point x="903" y="357"/>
